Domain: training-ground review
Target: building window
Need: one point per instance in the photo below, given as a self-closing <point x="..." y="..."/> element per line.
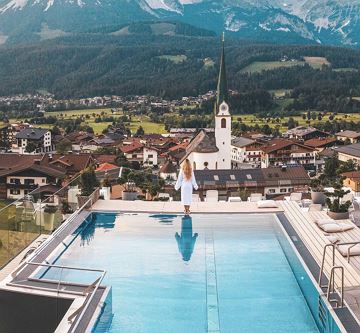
<point x="150" y="156"/>
<point x="29" y="181"/>
<point x="283" y="190"/>
<point x="272" y="190"/>
<point x="14" y="191"/>
<point x="223" y="123"/>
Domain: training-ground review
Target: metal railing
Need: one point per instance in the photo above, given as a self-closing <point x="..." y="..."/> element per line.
<point x="330" y="286"/>
<point x="25" y="219"/>
<point x="89" y="289"/>
<point x="321" y="274"/>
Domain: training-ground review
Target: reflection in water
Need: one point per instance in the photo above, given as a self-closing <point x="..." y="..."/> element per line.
<point x="164" y="219"/>
<point x="97" y="221"/>
<point x="186" y="241"/>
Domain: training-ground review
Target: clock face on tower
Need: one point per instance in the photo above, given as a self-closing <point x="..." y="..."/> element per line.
<point x="224" y="108"/>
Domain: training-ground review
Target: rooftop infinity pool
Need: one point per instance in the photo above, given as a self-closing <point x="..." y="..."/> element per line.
<point x="205" y="273"/>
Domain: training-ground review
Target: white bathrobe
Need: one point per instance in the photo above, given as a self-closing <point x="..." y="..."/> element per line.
<point x="186" y="188"/>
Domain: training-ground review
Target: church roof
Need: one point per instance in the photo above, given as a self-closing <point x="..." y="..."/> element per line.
<point x="222" y="94"/>
<point x="203" y="142"/>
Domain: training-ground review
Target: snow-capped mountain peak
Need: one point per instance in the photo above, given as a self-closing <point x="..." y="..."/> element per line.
<point x="325" y="21"/>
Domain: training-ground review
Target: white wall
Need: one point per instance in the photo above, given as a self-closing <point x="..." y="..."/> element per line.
<point x="37" y="180"/>
<point x="201" y="158"/>
<point x="146" y="156"/>
<point x="223" y="142"/>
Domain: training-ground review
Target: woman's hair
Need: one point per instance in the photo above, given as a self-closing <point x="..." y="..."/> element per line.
<point x="187" y="169"/>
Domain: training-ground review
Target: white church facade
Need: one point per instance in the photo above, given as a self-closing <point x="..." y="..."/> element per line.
<point x="212" y="149"/>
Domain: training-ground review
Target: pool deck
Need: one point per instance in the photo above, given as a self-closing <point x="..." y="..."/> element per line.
<point x="315" y="239"/>
<point x="312" y="238"/>
<point x="177" y="207"/>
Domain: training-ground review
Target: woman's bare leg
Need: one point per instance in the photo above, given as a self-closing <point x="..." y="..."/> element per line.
<point x="187" y="207"/>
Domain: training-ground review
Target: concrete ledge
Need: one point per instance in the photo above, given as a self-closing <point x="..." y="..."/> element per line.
<point x="177" y="207"/>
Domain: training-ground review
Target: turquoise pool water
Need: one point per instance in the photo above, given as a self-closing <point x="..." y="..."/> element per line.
<point x="213" y="273"/>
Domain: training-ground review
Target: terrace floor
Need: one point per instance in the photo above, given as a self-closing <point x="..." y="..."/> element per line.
<point x="177" y="207"/>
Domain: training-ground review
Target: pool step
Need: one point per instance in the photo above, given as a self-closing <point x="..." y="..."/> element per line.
<point x="213" y="322"/>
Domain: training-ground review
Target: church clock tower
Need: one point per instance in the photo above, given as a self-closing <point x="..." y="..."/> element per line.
<point x="223" y="117"/>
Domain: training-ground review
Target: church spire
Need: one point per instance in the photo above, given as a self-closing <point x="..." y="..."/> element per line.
<point x="222" y="89"/>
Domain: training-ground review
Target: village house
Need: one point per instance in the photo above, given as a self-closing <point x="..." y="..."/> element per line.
<point x="39" y="139"/>
<point x="321" y="143"/>
<point x="270" y="182"/>
<point x="245" y="153"/>
<point x="349" y="153"/>
<point x="279" y="152"/>
<point x="22" y="174"/>
<point x="348" y="136"/>
<point x="6" y="137"/>
<point x="168" y="171"/>
<point x="352" y="181"/>
<point x="304" y="133"/>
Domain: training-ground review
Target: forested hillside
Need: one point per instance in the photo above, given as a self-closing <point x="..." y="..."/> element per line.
<point x="175" y="66"/>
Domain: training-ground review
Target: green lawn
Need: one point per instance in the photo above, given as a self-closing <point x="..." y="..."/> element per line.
<point x="177" y="59"/>
<point x="316" y="62"/>
<point x="251" y="120"/>
<point x="259" y="66"/>
<point x="147" y="125"/>
<point x="77" y="113"/>
<point x="345" y="69"/>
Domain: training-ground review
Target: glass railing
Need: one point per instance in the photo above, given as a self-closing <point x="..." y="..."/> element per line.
<point x="39" y="212"/>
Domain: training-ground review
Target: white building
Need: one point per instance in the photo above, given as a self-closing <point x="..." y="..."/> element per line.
<point x="150" y="156"/>
<point x="213" y="150"/>
<point x="39" y="139"/>
<point x="245" y="153"/>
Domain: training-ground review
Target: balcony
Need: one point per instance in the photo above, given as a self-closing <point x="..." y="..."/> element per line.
<point x="22" y="186"/>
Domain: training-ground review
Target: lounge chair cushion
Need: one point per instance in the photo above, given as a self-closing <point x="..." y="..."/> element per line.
<point x="335" y="227"/>
<point x="333" y="239"/>
<point x="331" y="227"/>
<point x="267" y="204"/>
<point x="345" y="226"/>
<point x="354" y="251"/>
<point x="323" y="221"/>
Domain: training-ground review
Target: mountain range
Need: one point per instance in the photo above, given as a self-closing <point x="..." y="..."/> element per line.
<point x="334" y="22"/>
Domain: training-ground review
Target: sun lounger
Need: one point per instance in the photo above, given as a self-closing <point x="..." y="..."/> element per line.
<point x="331" y="226"/>
<point x="234" y="199"/>
<point x="315" y="208"/>
<point x="267" y="204"/>
<point x="255" y="197"/>
<point x="349" y="249"/>
<point x="212" y="196"/>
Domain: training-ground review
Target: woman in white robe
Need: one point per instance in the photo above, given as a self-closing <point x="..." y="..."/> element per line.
<point x="186" y="181"/>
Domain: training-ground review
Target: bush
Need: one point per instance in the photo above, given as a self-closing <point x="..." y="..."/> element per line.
<point x="88" y="182"/>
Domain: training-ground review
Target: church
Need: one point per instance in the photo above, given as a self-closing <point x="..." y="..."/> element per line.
<point x="211" y="149"/>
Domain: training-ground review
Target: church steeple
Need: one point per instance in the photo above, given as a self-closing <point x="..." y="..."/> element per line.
<point x="222" y="94"/>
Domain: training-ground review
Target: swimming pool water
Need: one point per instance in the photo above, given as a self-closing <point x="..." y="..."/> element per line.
<point x="205" y="273"/>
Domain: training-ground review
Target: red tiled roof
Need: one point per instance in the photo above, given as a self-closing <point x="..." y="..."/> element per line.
<point x="106" y="166"/>
<point x="319" y="142"/>
<point x="73" y="163"/>
<point x="352" y="175"/>
<point x="132" y="147"/>
<point x="277" y="144"/>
